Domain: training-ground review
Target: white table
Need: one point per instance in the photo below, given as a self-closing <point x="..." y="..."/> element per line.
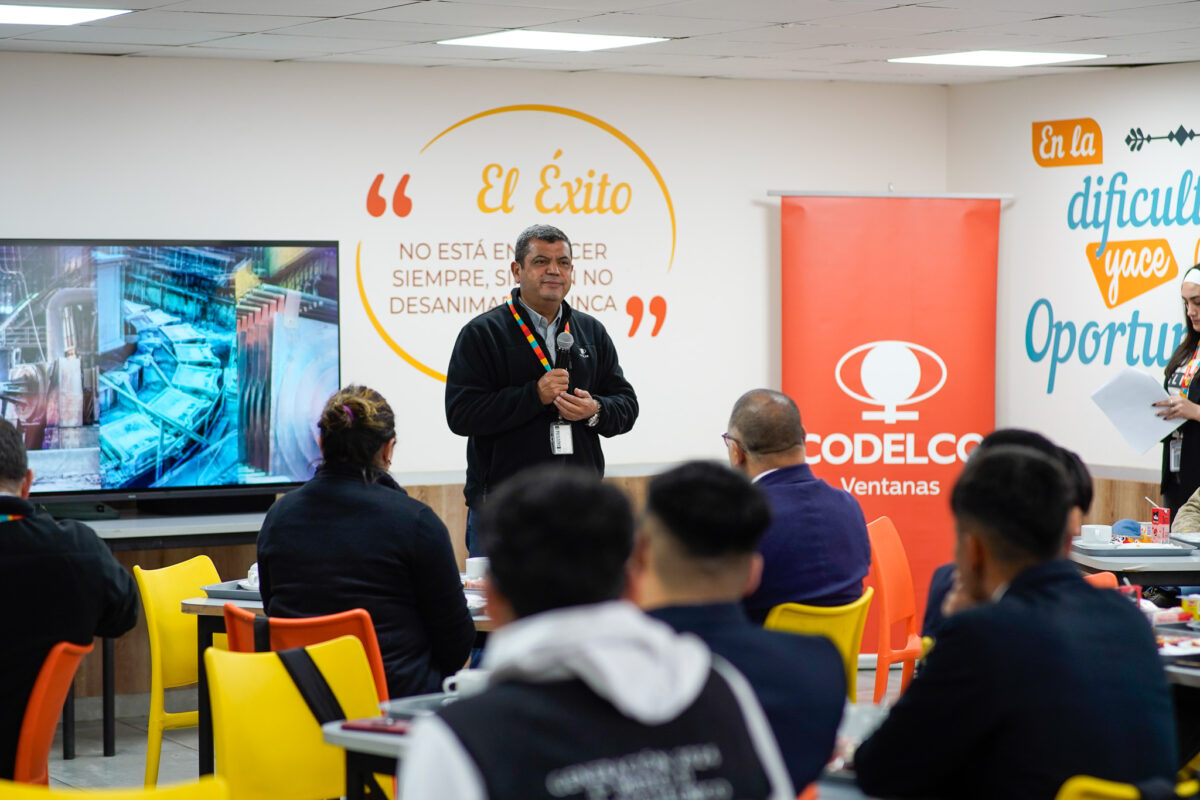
<point x="1146" y="570"/>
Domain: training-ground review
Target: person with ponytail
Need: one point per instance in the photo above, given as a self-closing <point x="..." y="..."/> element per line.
<point x="1181" y="450"/>
<point x="352" y="538"/>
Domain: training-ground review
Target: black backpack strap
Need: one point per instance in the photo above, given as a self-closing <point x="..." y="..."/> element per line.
<point x="262" y="634"/>
<point x="318" y="695"/>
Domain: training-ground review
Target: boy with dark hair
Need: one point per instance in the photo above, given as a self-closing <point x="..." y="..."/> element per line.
<point x="695" y="558"/>
<point x="1026" y="688"/>
<point x="61" y="583"/>
<point x="587" y="694"/>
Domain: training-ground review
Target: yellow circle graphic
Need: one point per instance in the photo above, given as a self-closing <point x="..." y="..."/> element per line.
<point x="567" y="112"/>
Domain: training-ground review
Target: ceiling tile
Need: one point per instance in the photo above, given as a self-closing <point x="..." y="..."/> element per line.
<point x="393" y="31"/>
<point x="1185" y="13"/>
<point x="648" y="25"/>
<point x="928" y="18"/>
<point x="447" y="51"/>
<point x="290" y="8"/>
<point x="136" y="36"/>
<point x="80" y="48"/>
<point x="299" y="45"/>
<point x="200" y="21"/>
<point x="480" y="14"/>
<point x="770" y="10"/>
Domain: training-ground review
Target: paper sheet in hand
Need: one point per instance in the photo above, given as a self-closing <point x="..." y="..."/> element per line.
<point x="1128" y="401"/>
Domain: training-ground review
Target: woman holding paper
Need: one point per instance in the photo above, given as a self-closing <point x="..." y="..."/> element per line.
<point x="1181" y="450"/>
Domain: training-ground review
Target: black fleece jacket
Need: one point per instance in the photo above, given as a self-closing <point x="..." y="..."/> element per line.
<point x="492" y="398"/>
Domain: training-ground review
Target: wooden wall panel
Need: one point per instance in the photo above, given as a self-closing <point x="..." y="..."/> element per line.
<point x="132" y="652"/>
<point x="1121" y="500"/>
<point x="1114" y="500"/>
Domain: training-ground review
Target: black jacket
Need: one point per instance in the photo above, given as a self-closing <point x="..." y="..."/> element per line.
<point x="492" y="398"/>
<point x="1054" y="679"/>
<point x="1177" y="487"/>
<point x="800" y="680"/>
<point x="58" y="582"/>
<point x="342" y="541"/>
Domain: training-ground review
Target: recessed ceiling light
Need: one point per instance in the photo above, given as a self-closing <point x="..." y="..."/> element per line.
<point x="52" y="15"/>
<point x="996" y="58"/>
<point x="550" y="40"/>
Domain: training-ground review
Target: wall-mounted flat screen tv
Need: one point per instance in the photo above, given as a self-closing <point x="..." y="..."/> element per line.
<point x="159" y="368"/>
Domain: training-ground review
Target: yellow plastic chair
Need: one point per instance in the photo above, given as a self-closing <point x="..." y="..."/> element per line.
<point x="267" y="742"/>
<point x="1085" y="787"/>
<point x="208" y="788"/>
<point x="172" y="644"/>
<point x="843" y="625"/>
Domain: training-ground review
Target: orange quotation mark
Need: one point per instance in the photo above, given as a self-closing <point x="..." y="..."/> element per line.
<point x="658" y="310"/>
<point x="401" y="203"/>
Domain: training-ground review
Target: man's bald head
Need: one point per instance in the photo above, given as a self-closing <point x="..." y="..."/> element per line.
<point x="765" y="425"/>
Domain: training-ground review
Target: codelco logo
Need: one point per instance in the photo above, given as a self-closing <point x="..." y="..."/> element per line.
<point x="1129" y="269"/>
<point x="891" y="376"/>
<point x="1068" y="142"/>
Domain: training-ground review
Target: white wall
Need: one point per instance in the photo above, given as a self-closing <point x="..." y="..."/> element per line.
<point x="162" y="148"/>
<point x="1042" y="257"/>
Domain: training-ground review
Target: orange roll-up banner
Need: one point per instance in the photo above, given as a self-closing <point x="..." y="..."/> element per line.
<point x="889" y="349"/>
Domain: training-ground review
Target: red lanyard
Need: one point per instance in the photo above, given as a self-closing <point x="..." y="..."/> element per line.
<point x="537" y="348"/>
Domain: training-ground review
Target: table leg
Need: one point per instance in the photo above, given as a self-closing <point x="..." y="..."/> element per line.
<point x="205" y="628"/>
<point x="68" y="723"/>
<point x="108" y="677"/>
<point x="355" y="777"/>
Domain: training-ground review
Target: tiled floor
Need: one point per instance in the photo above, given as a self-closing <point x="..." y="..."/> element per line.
<point x="90" y="769"/>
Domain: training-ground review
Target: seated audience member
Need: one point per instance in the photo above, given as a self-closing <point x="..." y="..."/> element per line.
<point x="1043" y="679"/>
<point x="694" y="560"/>
<point x="942" y="599"/>
<point x="58" y="582"/>
<point x="352" y="538"/>
<point x="1187" y="520"/>
<point x="588" y="696"/>
<point x="816" y="549"/>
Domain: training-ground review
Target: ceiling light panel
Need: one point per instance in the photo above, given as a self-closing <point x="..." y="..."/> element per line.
<point x="54" y="15"/>
<point x="550" y="40"/>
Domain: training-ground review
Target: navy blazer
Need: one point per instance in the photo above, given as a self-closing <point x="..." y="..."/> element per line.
<point x="1055" y="679"/>
<point x="800" y="680"/>
<point x="816" y="549"/>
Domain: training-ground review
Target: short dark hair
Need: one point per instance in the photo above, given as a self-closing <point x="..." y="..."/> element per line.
<point x="1079" y="481"/>
<point x="355" y="423"/>
<point x="709" y="509"/>
<point x="556" y="537"/>
<point x="1017" y="499"/>
<point x="544" y="233"/>
<point x="766" y="422"/>
<point x="14" y="463"/>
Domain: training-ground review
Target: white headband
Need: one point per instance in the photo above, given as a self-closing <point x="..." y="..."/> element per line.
<point x="1192" y="276"/>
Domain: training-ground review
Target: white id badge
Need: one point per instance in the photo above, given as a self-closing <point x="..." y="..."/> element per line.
<point x="1175" y="453"/>
<point x="561" y="443"/>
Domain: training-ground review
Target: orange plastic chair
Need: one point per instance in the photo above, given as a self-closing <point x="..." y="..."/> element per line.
<point x="288" y="632"/>
<point x="893" y="583"/>
<point x="1102" y="580"/>
<point x="41" y="712"/>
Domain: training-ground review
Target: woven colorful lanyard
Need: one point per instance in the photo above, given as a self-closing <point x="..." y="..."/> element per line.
<point x="11" y="517"/>
<point x="1189" y="372"/>
<point x="537" y="348"/>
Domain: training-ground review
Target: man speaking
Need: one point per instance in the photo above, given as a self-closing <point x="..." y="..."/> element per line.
<point x="533" y="381"/>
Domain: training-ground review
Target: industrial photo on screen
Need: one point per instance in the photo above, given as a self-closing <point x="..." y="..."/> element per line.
<point x="154" y="365"/>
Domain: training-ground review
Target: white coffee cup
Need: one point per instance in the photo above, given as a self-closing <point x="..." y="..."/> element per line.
<point x="477" y="567"/>
<point x="1097" y="534"/>
<point x="466" y="682"/>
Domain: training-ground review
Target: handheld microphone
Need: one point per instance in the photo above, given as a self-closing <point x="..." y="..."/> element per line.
<point x="562" y="356"/>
